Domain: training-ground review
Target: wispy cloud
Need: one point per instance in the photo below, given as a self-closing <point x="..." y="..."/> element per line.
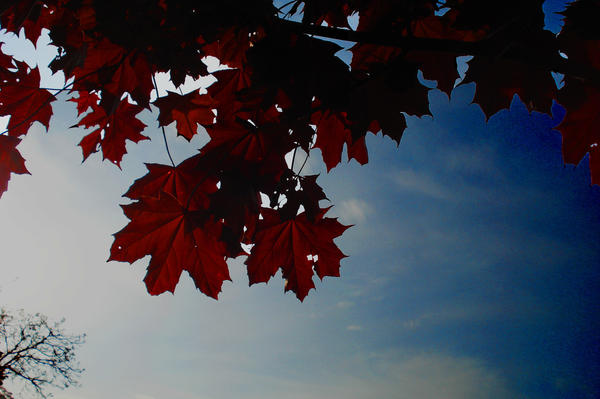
<point x="420" y="183"/>
<point x="354" y="327"/>
<point x="354" y="210"/>
<point x="344" y="304"/>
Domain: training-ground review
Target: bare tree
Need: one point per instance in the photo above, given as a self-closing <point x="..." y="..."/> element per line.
<point x="37" y="353"/>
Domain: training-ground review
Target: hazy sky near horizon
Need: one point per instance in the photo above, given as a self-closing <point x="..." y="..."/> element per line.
<point x="473" y="271"/>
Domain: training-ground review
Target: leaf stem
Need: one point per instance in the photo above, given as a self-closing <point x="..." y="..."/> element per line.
<point x="164" y="134"/>
<point x="303" y="163"/>
<point x="293" y="159"/>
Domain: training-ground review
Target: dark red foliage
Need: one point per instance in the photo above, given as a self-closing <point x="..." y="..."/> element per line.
<point x="11" y="161"/>
<point x="23" y="100"/>
<point x="187" y="110"/>
<point x="299" y="247"/>
<point x="178" y="239"/>
<point x="111" y="130"/>
<point x="282" y="91"/>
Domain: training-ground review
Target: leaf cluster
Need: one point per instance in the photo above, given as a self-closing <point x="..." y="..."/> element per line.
<point x="282" y="91"/>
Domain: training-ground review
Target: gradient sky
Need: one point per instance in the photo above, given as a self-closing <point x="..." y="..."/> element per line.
<point x="473" y="271"/>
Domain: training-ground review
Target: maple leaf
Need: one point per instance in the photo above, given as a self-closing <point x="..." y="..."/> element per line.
<point x="231" y="47"/>
<point x="332" y="133"/>
<point x="181" y="181"/>
<point x="177" y="240"/>
<point x="298" y="246"/>
<point x="115" y="70"/>
<point x="580" y="128"/>
<point x="11" y="161"/>
<point x="25" y="102"/>
<point x="84" y="101"/>
<point x="366" y="55"/>
<point x="224" y="91"/>
<point x="250" y="140"/>
<point x="187" y="110"/>
<point x="132" y="76"/>
<point x="333" y="13"/>
<point x="440" y="67"/>
<point x="30" y="15"/>
<point x="94" y="66"/>
<point x="495" y="88"/>
<point x="112" y="131"/>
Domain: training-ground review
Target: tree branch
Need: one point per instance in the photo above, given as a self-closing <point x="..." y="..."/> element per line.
<point x="485" y="47"/>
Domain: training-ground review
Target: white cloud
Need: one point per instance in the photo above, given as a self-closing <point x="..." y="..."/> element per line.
<point x="420" y="183"/>
<point x="354" y="210"/>
<point x="432" y="376"/>
<point x="388" y="375"/>
<point x="354" y="327"/>
<point x="344" y="304"/>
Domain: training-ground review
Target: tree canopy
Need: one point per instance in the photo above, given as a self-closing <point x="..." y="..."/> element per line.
<point x="37" y="353"/>
<point x="281" y="92"/>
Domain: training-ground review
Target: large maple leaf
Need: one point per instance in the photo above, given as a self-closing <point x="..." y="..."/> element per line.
<point x="177" y="240"/>
<point x="25" y="102"/>
<point x="298" y="246"/>
<point x="112" y="130"/>
<point x="11" y="161"/>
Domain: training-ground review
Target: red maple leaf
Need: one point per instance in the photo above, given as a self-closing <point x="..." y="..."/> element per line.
<point x="177" y="240"/>
<point x="365" y="55"/>
<point x="231" y="47"/>
<point x="25" y="102"/>
<point x="11" y="161"/>
<point x="581" y="126"/>
<point x="332" y="133"/>
<point x="298" y="246"/>
<point x="440" y="67"/>
<point x="115" y="70"/>
<point x="180" y="181"/>
<point x="224" y="91"/>
<point x="112" y="131"/>
<point x="241" y="141"/>
<point x="29" y="14"/>
<point x="97" y="58"/>
<point x="132" y="76"/>
<point x="84" y="101"/>
<point x="495" y="88"/>
<point x="187" y="110"/>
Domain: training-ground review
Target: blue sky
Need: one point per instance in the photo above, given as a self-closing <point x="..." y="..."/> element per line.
<point x="473" y="272"/>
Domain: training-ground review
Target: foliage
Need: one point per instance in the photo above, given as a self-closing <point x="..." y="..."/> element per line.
<point x="282" y="91"/>
<point x="36" y="352"/>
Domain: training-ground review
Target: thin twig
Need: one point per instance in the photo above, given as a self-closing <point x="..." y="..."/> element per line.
<point x="53" y="97"/>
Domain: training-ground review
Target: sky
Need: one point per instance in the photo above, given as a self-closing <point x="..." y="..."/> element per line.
<point x="473" y="270"/>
